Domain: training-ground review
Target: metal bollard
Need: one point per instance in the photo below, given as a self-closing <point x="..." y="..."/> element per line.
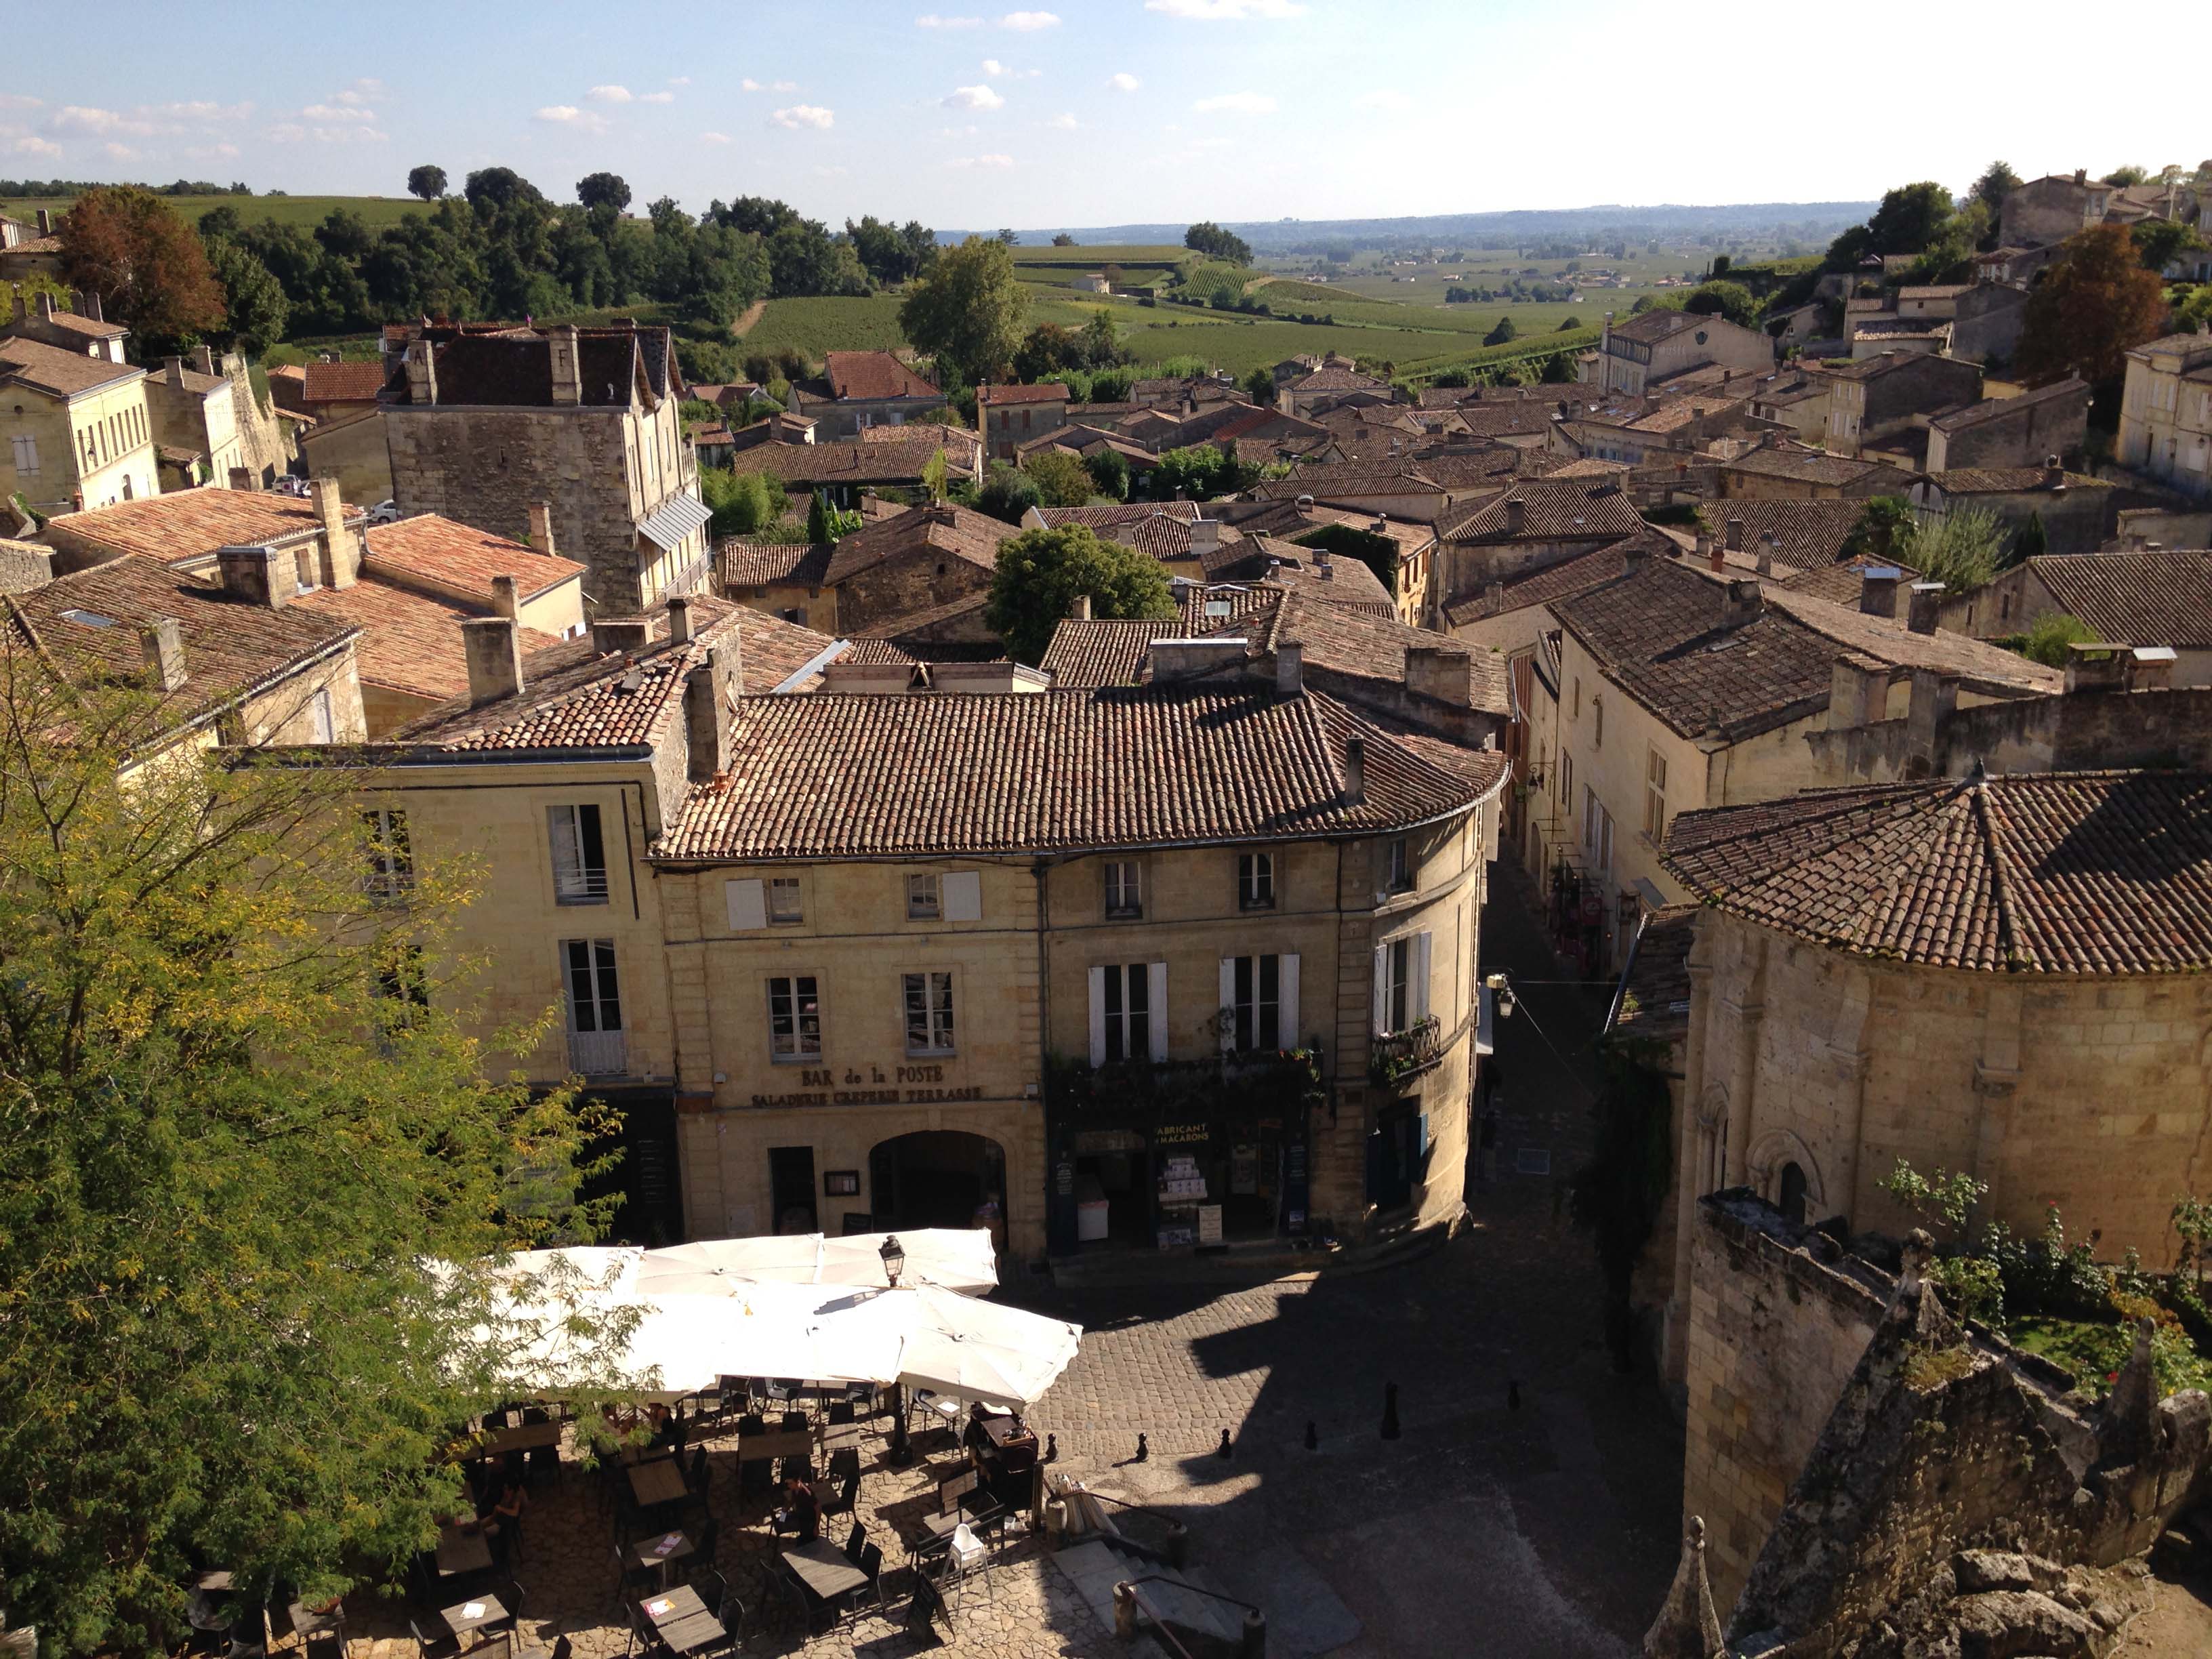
<point x="1178" y="1550"/>
<point x="1125" y="1611"/>
<point x="1389" y="1411"/>
<point x="1255" y="1644"/>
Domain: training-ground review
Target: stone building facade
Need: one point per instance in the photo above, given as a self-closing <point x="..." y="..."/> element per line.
<point x="483" y="420"/>
<point x="2166" y="413"/>
<point x="2021" y="431"/>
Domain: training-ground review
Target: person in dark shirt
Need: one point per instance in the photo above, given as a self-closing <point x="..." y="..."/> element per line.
<point x="801" y="1512"/>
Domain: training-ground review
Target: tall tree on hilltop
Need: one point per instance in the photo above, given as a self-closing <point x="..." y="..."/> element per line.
<point x="1997" y="181"/>
<point x="2095" y="303"/>
<point x="427" y="182"/>
<point x="1207" y="238"/>
<point x="967" y="311"/>
<point x="146" y="263"/>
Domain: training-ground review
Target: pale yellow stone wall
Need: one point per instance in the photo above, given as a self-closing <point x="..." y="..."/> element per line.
<point x="96" y="443"/>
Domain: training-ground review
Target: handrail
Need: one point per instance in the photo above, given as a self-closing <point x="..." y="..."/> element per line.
<point x="1159" y="1620"/>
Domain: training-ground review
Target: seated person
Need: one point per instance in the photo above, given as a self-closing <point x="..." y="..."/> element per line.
<point x="801" y="1513"/>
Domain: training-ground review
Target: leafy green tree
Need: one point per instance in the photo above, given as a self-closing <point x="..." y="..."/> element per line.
<point x="1501" y="333"/>
<point x="1961" y="549"/>
<point x="1010" y="238"/>
<point x="1909" y="217"/>
<point x="1110" y="473"/>
<point x="2032" y="542"/>
<point x="243" y="1117"/>
<point x="1559" y="369"/>
<point x="1568" y="325"/>
<point x="2161" y="241"/>
<point x="1880" y="534"/>
<point x="1215" y="243"/>
<point x="602" y="190"/>
<point x="1006" y="493"/>
<point x="935" y="476"/>
<point x="256" y="311"/>
<point x="1730" y="301"/>
<point x="1260" y="385"/>
<point x="2095" y="303"/>
<point x="1102" y="346"/>
<point x="1041" y="573"/>
<point x="1061" y="239"/>
<point x="2050" y="634"/>
<point x="967" y="311"/>
<point x="1197" y="472"/>
<point x="2127" y="175"/>
<point x="889" y="252"/>
<point x="819" y="525"/>
<point x="744" y="503"/>
<point x="1997" y="181"/>
<point x="1060" y="478"/>
<point x="146" y="265"/>
<point x="427" y="182"/>
<point x="2194" y="314"/>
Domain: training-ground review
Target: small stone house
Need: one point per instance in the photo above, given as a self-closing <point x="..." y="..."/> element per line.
<point x="2011" y="432"/>
<point x="1662" y="343"/>
<point x="2166" y="413"/>
<point x="2078" y="512"/>
<point x="2143" y="598"/>
<point x="1012" y="415"/>
<point x="859" y="390"/>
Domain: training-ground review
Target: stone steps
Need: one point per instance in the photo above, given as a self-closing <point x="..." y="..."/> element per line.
<point x="1094" y="1568"/>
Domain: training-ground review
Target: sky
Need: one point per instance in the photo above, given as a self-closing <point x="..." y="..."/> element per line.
<point x="1096" y="112"/>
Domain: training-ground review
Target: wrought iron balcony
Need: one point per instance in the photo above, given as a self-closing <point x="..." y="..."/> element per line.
<point x="1404" y="1054"/>
<point x="597" y="1053"/>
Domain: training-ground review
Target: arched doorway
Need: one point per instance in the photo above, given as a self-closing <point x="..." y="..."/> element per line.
<point x="1792" y="1193"/>
<point x="938" y="1178"/>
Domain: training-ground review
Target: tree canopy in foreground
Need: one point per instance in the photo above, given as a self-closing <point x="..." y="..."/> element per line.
<point x="1041" y="573"/>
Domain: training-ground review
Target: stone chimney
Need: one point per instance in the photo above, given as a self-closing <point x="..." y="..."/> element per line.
<point x="613" y="634"/>
<point x="707" y="718"/>
<point x="494" y="647"/>
<point x="162" y="643"/>
<point x="172" y="371"/>
<point x="341" y="545"/>
<point x="2150" y="668"/>
<point x="422" y="373"/>
<point x="260" y="575"/>
<point x="46" y="223"/>
<point x="1743" y="602"/>
<point x="1517" y="515"/>
<point x="46" y="306"/>
<point x="1079" y="610"/>
<point x="1767" y="544"/>
<point x="1925" y="604"/>
<point x="1166" y="660"/>
<point x="507" y="598"/>
<point x="1934" y="697"/>
<point x="2054" y="472"/>
<point x="2094" y="667"/>
<point x="1704" y="544"/>
<point x="679" y="620"/>
<point x="568" y="370"/>
<point x="1715" y="557"/>
<point x="1355" y="771"/>
<point x="541" y="529"/>
<point x="1289" y="668"/>
<point x="1878" y="589"/>
<point x="1858" y="694"/>
<point x="1325" y="566"/>
<point x="868" y="678"/>
<point x="2080" y="175"/>
<point x="1734" y="534"/>
<point x="242" y="477"/>
<point x="1205" y="535"/>
<point x="204" y="359"/>
<point x="1443" y="672"/>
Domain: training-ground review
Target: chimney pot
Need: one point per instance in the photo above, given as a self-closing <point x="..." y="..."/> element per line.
<point x="172" y="371"/>
<point x="1735" y="535"/>
<point x="679" y="620"/>
<point x="493" y="646"/>
<point x="507" y="598"/>
<point x="162" y="642"/>
<point x="1289" y="668"/>
<point x="1742" y="602"/>
<point x="541" y="529"/>
<point x="2150" y="668"/>
<point x="1355" y="771"/>
<point x="204" y="359"/>
<point x="1080" y="609"/>
<point x="1767" y="544"/>
<point x="341" y="551"/>
<point x="1517" y="515"/>
<point x="1927" y="602"/>
<point x="1878" y="589"/>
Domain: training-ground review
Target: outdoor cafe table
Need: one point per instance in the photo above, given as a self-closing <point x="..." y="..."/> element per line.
<point x="680" y="1620"/>
<point x="840" y="1434"/>
<point x="822" y="1568"/>
<point x="461" y="1550"/>
<point x="529" y="1437"/>
<point x="648" y="1552"/>
<point x="660" y="1481"/>
<point x="776" y="1443"/>
<point x="472" y="1614"/>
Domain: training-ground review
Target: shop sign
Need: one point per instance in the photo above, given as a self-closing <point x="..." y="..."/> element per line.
<point x="896" y="1085"/>
<point x="1181" y="1134"/>
<point x="1091" y="1143"/>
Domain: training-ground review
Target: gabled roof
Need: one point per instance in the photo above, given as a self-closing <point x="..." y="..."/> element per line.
<point x="1051" y="391"/>
<point x="871" y="375"/>
<point x="2143" y="598"/>
<point x="1103" y="517"/>
<point x="1555" y="582"/>
<point x="1659" y="323"/>
<point x="1991" y="408"/>
<point x="2074" y="872"/>
<point x="342" y="383"/>
<point x="88" y="623"/>
<point x="189" y="525"/>
<point x="1812" y="533"/>
<point x="1654" y="999"/>
<point x="897" y="458"/>
<point x="832" y="775"/>
<point x="60" y="372"/>
<point x="89" y="328"/>
<point x="2009" y="481"/>
<point x="1357" y="644"/>
<point x="959" y="530"/>
<point x="771" y="564"/>
<point x="1553" y="509"/>
<point x="1806" y="466"/>
<point x="409" y="641"/>
<point x="1088" y="653"/>
<point x="459" y="558"/>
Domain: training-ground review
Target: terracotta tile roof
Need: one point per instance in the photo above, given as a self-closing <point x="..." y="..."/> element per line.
<point x="191" y="524"/>
<point x="2134" y="599"/>
<point x="51" y="369"/>
<point x="1807" y="467"/>
<point x="2008" y="480"/>
<point x="575" y="698"/>
<point x="769" y="564"/>
<point x="1086" y="654"/>
<point x="1813" y="533"/>
<point x="1658" y="633"/>
<point x="1843" y="582"/>
<point x="1991" y="408"/>
<point x="1589" y="467"/>
<point x="1338" y="379"/>
<point x="1654" y="999"/>
<point x="897" y="457"/>
<point x="409" y="641"/>
<point x="959" y="530"/>
<point x="1360" y="645"/>
<point x="1161" y="536"/>
<point x="1662" y="323"/>
<point x="1348" y="478"/>
<point x="831" y="775"/>
<point x="342" y="383"/>
<point x="1555" y="582"/>
<point x="875" y="651"/>
<point x="1103" y="517"/>
<point x="90" y="328"/>
<point x="1474" y="469"/>
<point x="1050" y="392"/>
<point x="868" y="375"/>
<point x="1572" y="510"/>
<point x="461" y="559"/>
<point x="2074" y="872"/>
<point x="233" y="648"/>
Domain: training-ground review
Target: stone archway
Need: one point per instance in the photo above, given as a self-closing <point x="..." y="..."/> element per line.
<point x="938" y="1178"/>
<point x="1778" y="1152"/>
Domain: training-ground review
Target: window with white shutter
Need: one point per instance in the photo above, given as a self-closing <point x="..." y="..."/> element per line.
<point x="964" y="896"/>
<point x="748" y="902"/>
<point x="580" y="857"/>
<point x="1259" y="1002"/>
<point x="1128" y="1011"/>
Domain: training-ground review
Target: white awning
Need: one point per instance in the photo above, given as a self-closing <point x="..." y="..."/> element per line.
<point x="667" y="525"/>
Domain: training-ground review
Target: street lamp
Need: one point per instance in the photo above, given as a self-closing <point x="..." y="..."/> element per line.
<point x="894" y="1258"/>
<point x="902" y="1451"/>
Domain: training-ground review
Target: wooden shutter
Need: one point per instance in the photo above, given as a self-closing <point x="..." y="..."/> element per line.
<point x="1097" y="1016"/>
<point x="748" y="905"/>
<point x="1155" y="983"/>
<point x="1416" y="993"/>
<point x="964" y="896"/>
<point x="1286" y="993"/>
<point x="1228" y="1004"/>
<point x="1381" y="1019"/>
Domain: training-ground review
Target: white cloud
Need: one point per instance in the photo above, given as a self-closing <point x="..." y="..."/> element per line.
<point x="1237" y="103"/>
<point x="656" y="98"/>
<point x="1027" y="21"/>
<point x="1383" y="97"/>
<point x="335" y="112"/>
<point x="118" y="152"/>
<point x="204" y="111"/>
<point x="714" y="137"/>
<point x="568" y="115"/>
<point x="1063" y="122"/>
<point x="291" y="133"/>
<point x="20" y="101"/>
<point x="608" y="94"/>
<point x="679" y="79"/>
<point x="981" y="161"/>
<point x="29" y="145"/>
<point x="749" y="84"/>
<point x="931" y="21"/>
<point x="211" y="152"/>
<point x="369" y="84"/>
<point x="804" y="115"/>
<point x="783" y="86"/>
<point x="972" y="97"/>
<point x="1226" y="11"/>
<point x="80" y="117"/>
<point x="992" y="66"/>
<point x="1123" y="82"/>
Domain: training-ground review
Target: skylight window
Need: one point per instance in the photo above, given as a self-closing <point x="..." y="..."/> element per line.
<point x="89" y="618"/>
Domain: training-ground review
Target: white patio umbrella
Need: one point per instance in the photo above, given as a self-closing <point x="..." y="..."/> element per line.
<point x="974" y="1350"/>
<point x="960" y="1258"/>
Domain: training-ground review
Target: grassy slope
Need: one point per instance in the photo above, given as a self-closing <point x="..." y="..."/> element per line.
<point x="377" y="210"/>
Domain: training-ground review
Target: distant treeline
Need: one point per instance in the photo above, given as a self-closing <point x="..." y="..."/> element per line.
<point x="44" y="187"/>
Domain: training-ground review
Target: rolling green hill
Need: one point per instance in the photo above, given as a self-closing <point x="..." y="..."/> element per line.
<point x="310" y="210"/>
